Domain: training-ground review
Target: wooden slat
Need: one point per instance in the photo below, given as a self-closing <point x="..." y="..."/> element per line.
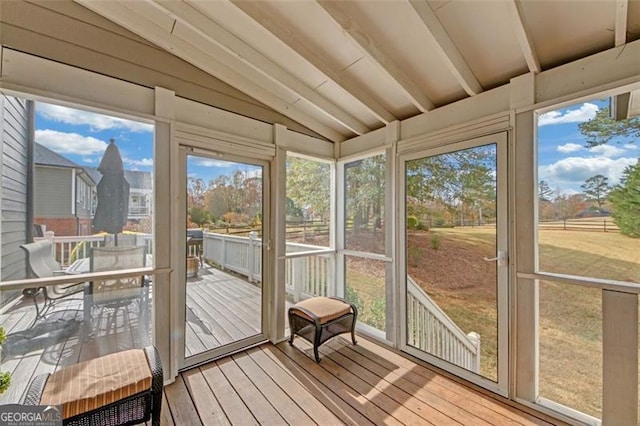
<point x="361" y="403"/>
<point x="206" y="403"/>
<point x="319" y="390"/>
<point x="417" y="374"/>
<point x="301" y="396"/>
<point x="182" y="408"/>
<point x="262" y="410"/>
<point x="284" y="404"/>
<point x="165" y="414"/>
<point x="232" y="404"/>
<point x="455" y="405"/>
<point x="428" y="406"/>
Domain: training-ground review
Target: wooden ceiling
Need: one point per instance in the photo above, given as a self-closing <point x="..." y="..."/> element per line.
<point x="344" y="68"/>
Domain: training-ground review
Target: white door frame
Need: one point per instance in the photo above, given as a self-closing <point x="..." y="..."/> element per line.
<point x="179" y="304"/>
<point x="500" y="387"/>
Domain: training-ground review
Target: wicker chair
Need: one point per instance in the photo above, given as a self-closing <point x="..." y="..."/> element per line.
<point x="134" y="376"/>
<point x="318" y="319"/>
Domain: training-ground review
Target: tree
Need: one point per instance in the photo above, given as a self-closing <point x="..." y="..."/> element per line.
<point x="625" y="198"/>
<point x="596" y="188"/>
<point x="545" y="193"/>
<point x="309" y="186"/>
<point x="602" y="129"/>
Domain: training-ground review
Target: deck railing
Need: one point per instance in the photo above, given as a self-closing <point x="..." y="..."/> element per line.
<point x="307" y="268"/>
<point x="309" y="272"/>
<point x="71" y="248"/>
<point x="431" y="330"/>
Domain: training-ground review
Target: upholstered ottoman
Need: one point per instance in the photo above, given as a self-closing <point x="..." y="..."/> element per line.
<point x="123" y="388"/>
<point x="318" y="319"/>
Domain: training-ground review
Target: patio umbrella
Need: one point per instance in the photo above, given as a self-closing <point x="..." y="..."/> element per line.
<point x="113" y="194"/>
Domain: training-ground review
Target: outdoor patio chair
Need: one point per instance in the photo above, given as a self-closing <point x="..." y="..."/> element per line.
<point x="112" y="294"/>
<point x="195" y="240"/>
<point x="123" y="240"/>
<point x="318" y="319"/>
<point x="123" y="388"/>
<point x="42" y="264"/>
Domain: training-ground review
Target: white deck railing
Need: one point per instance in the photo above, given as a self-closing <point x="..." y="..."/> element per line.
<point x="309" y="272"/>
<point x="307" y="268"/>
<point x="71" y="248"/>
<point x="431" y="330"/>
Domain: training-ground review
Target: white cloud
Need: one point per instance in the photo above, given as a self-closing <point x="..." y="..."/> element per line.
<point x="607" y="151"/>
<point x="630" y="146"/>
<point x="213" y="163"/>
<point x="97" y="122"/>
<point x="146" y="162"/>
<point x="569" y="147"/>
<point x="586" y="112"/>
<point x="70" y="143"/>
<point x="571" y="172"/>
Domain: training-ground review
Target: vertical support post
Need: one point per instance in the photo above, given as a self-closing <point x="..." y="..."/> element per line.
<point x="251" y="254"/>
<point x="619" y="358"/>
<point x="223" y="252"/>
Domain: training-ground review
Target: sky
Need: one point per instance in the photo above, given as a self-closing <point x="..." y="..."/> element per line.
<point x="563" y="160"/>
<point x="565" y="163"/>
<point x="83" y="136"/>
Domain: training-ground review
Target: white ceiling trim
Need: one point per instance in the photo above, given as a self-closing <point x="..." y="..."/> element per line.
<point x="622" y="7"/>
<point x="524" y="39"/>
<point x="231" y="44"/>
<point x="132" y="16"/>
<point x="447" y="49"/>
<point x="262" y="18"/>
<point x="377" y="54"/>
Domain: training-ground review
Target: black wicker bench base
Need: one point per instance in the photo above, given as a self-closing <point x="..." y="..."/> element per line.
<point x="137" y="408"/>
<point x="318" y="327"/>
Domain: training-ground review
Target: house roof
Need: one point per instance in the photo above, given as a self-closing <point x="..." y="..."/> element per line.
<point x="44" y="156"/>
<point x="345" y="68"/>
<point x="137" y="179"/>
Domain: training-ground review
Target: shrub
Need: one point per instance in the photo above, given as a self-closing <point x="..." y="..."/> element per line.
<point x="5" y="377"/>
<point x="435" y="241"/>
<point x="412" y="222"/>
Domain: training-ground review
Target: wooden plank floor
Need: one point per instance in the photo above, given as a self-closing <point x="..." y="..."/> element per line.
<point x="220" y="308"/>
<point x="365" y="384"/>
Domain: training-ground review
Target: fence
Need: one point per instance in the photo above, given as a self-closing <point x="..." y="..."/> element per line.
<point x="595" y="225"/>
<point x="71" y="248"/>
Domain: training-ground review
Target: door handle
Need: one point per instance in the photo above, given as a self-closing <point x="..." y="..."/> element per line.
<point x="501" y="258"/>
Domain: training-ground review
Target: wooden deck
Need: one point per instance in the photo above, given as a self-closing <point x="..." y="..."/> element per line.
<point x="359" y="385"/>
<point x="220" y="308"/>
<point x="365" y="384"/>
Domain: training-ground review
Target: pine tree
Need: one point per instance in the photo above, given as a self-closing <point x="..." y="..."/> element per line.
<point x="625" y="198"/>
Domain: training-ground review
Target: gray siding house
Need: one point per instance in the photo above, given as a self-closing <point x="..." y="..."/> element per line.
<point x="140" y="191"/>
<point x="64" y="194"/>
<point x="15" y="228"/>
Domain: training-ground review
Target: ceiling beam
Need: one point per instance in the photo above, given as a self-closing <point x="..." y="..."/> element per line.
<point x="524" y="39"/>
<point x="232" y="45"/>
<point x="377" y="53"/>
<point x="262" y="17"/>
<point x="446" y="48"/>
<point x="622" y="7"/>
<point x="133" y="16"/>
